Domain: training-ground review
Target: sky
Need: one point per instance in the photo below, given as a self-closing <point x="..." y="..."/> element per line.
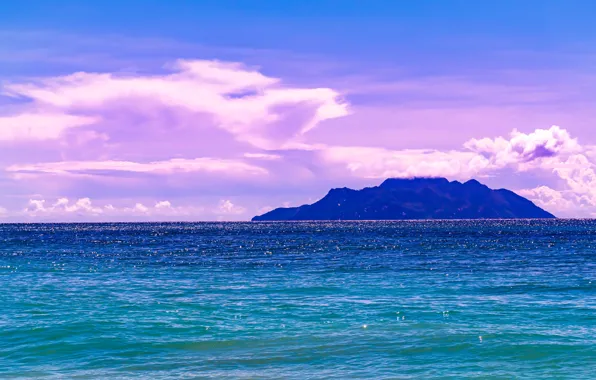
<point x="221" y="110"/>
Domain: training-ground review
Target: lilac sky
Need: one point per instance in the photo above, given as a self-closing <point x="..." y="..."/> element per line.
<point x="223" y="110"/>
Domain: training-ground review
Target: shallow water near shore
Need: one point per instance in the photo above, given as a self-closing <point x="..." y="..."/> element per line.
<point x="446" y="299"/>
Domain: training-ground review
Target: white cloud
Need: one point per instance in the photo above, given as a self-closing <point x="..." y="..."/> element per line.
<point x="546" y="149"/>
<point x="252" y="107"/>
<point x="558" y="202"/>
<point x="263" y="156"/>
<point x="369" y="162"/>
<point x="39" y="126"/>
<point x="578" y="173"/>
<point x="141" y="208"/>
<point x="227" y="207"/>
<point x="552" y="150"/>
<point x="62" y="205"/>
<point x="103" y="125"/>
<point x="523" y="149"/>
<point x="175" y="165"/>
<point x="163" y="205"/>
<point x="84" y="207"/>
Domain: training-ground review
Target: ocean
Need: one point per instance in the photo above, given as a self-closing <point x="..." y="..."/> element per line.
<point x="396" y="300"/>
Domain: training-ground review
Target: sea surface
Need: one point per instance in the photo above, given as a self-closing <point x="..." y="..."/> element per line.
<point x="399" y="300"/>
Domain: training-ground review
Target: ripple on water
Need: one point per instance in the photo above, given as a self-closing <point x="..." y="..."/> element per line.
<point x="299" y="300"/>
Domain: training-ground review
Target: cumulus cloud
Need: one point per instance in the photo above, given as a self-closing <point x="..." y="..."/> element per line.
<point x="558" y="202"/>
<point x="85" y="209"/>
<point x="250" y="106"/>
<point x="551" y="150"/>
<point x="227" y="207"/>
<point x="543" y="148"/>
<point x="62" y="205"/>
<point x="578" y="173"/>
<point x="39" y="126"/>
<point x="140" y="208"/>
<point x="190" y="123"/>
<point x="383" y="163"/>
<point x="554" y="151"/>
<point x="522" y="149"/>
<point x="163" y="205"/>
<point x="226" y="128"/>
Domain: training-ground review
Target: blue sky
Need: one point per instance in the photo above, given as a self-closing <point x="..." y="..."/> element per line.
<point x="375" y="30"/>
<point x="325" y="93"/>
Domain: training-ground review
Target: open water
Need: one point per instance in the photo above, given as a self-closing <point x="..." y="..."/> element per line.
<point x="443" y="299"/>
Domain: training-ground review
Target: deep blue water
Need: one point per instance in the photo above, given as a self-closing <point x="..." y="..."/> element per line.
<point x="452" y="299"/>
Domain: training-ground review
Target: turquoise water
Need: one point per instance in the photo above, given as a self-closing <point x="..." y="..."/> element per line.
<point x="501" y="299"/>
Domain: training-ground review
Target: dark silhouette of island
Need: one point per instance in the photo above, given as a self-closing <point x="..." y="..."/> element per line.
<point x="416" y="198"/>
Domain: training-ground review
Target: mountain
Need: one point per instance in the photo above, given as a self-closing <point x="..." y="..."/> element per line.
<point x="416" y="198"/>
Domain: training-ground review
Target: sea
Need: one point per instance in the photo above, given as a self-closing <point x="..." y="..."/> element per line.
<point x="504" y="299"/>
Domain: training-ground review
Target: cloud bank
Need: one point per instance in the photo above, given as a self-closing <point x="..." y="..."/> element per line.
<point x="221" y="129"/>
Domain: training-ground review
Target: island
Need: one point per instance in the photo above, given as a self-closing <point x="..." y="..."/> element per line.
<point x="414" y="198"/>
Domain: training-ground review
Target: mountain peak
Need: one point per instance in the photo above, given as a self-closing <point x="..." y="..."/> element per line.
<point x="475" y="183"/>
<point x="414" y="198"/>
<point x="413" y="182"/>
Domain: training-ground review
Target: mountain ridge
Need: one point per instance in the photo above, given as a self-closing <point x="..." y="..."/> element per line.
<point x="413" y="198"/>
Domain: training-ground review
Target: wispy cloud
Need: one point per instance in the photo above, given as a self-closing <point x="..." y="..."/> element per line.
<point x="176" y="165"/>
<point x="198" y="127"/>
